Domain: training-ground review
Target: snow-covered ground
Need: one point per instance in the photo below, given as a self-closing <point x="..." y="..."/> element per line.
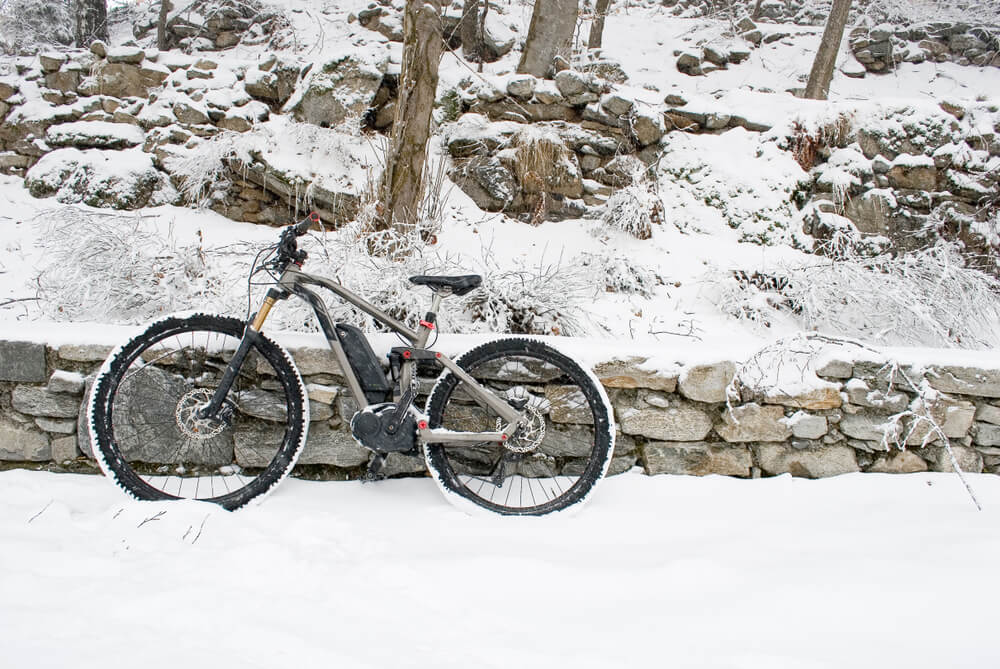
<point x="861" y="570"/>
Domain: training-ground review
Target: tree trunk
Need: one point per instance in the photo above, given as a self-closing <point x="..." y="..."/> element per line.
<point x="756" y="10"/>
<point x="468" y="31"/>
<point x="826" y="56"/>
<point x="553" y="23"/>
<point x="161" y="25"/>
<point x="402" y="183"/>
<point x="597" y="27"/>
<point x="91" y="21"/>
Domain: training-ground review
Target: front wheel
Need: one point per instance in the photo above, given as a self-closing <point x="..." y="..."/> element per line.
<point x="146" y="430"/>
<point x="551" y="463"/>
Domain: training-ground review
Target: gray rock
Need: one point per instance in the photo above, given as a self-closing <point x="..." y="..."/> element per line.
<point x="969" y="460"/>
<point x="689" y="62"/>
<point x="965" y="381"/>
<point x="51" y="61"/>
<point x="860" y="394"/>
<point x="126" y="54"/>
<point x="836" y="369"/>
<point x="988" y="413"/>
<point x="489" y="183"/>
<point x="987" y="434"/>
<point x="918" y="177"/>
<point x="568" y="441"/>
<point x="547" y="93"/>
<point x="57" y="425"/>
<point x="339" y="88"/>
<point x="398" y="464"/>
<point x="807" y="426"/>
<point x="571" y="82"/>
<point x="568" y="405"/>
<point x="328" y="446"/>
<point x="191" y="113"/>
<point x="62" y="381"/>
<point x="311" y="361"/>
<point x="22" y="361"/>
<point x="627" y="373"/>
<point x="99" y="48"/>
<point x="900" y="462"/>
<point x="717" y="120"/>
<point x="716" y="54"/>
<point x="82" y="429"/>
<point x="813" y="463"/>
<point x="21" y="443"/>
<point x="696" y="459"/>
<point x="753" y="422"/>
<point x="707" y="383"/>
<point x="616" y="105"/>
<point x="37" y="401"/>
<point x="85" y="352"/>
<point x="522" y="86"/>
<point x="680" y="422"/>
<point x="866" y="427"/>
<point x="64" y="449"/>
<point x="825" y="395"/>
<point x="261" y="85"/>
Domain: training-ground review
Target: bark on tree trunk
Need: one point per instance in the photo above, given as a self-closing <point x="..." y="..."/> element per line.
<point x="597" y="27"/>
<point x="161" y="25"/>
<point x="756" y="10"/>
<point x="468" y="31"/>
<point x="402" y="183"/>
<point x="550" y="34"/>
<point x="826" y="56"/>
<point x="91" y="21"/>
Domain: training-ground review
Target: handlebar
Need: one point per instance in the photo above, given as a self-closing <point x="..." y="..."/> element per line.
<point x="288" y="246"/>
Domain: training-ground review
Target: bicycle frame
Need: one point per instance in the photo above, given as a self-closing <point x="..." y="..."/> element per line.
<point x="293" y="281"/>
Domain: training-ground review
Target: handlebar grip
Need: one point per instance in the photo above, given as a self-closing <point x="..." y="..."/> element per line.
<point x="303" y="226"/>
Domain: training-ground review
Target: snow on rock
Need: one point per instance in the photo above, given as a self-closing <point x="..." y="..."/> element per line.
<point x="340" y="88"/>
<point x="95" y="135"/>
<point x="113" y="179"/>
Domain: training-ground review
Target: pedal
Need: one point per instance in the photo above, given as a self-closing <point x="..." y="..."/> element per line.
<point x="374" y="472"/>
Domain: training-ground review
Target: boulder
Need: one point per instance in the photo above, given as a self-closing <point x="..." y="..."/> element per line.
<point x="696" y="459"/>
<point x="571" y="83"/>
<point x="628" y="373"/>
<point x="678" y="422"/>
<point x="900" y="462"/>
<point x="21" y="443"/>
<point x="522" y="86"/>
<point x="807" y="426"/>
<point x="22" y="361"/>
<point x="965" y="380"/>
<point x="37" y="401"/>
<point x="110" y="179"/>
<point x="707" y="383"/>
<point x="126" y="54"/>
<point x="340" y="88"/>
<point x="647" y="126"/>
<point x="813" y="463"/>
<point x="753" y="422"/>
<point x="94" y="135"/>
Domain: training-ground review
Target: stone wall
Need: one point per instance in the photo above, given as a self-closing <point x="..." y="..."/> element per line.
<point x="671" y="418"/>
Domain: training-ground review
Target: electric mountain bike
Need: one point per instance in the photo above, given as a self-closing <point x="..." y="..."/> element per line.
<point x="208" y="407"/>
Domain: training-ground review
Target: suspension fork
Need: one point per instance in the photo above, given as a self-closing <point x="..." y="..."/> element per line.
<point x="251" y="336"/>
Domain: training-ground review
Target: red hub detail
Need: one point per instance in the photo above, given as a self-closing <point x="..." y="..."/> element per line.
<point x="407" y="354"/>
<point x="422" y="425"/>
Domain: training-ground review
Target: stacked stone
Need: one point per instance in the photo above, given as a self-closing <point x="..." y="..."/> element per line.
<point x="921" y="175"/>
<point x="208" y="25"/>
<point x="114" y="99"/>
<point x="601" y="132"/>
<point x="882" y="48"/>
<point x="675" y="421"/>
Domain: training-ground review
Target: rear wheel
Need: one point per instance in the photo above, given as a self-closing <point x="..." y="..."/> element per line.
<point x="145" y="428"/>
<point x="551" y="463"/>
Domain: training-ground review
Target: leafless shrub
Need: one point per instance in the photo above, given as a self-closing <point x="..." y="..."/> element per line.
<point x="928" y="298"/>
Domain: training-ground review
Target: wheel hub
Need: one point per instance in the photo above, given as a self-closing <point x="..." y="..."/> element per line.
<point x="186" y="416"/>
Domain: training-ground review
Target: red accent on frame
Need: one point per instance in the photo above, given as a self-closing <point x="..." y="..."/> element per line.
<point x="429" y="326"/>
<point x="407" y="354"/>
